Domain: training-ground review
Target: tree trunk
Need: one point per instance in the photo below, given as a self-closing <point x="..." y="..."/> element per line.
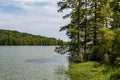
<point x="78" y="36"/>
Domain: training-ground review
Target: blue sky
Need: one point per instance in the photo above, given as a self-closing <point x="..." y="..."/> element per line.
<point x="38" y="17"/>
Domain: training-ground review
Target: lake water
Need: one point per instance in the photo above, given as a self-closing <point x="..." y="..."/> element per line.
<point x="32" y="63"/>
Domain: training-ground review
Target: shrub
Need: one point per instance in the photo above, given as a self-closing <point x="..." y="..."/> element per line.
<point x="117" y="62"/>
<point x="115" y="76"/>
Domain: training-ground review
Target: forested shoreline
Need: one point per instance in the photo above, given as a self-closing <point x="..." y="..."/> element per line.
<point x="10" y="37"/>
<point x="94" y="30"/>
<point x="94" y="33"/>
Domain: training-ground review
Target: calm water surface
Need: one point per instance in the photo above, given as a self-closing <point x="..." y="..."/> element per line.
<point x="32" y="63"/>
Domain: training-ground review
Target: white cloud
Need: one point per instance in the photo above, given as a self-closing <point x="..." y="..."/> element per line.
<point x="40" y="1"/>
<point x="37" y="19"/>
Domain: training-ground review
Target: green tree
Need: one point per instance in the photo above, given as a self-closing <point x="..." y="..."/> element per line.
<point x="105" y="42"/>
<point x="87" y="17"/>
<point x="8" y="37"/>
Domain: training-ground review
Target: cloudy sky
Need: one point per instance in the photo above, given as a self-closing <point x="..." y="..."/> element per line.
<point x="38" y="17"/>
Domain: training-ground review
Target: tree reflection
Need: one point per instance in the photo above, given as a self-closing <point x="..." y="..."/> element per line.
<point x="60" y="73"/>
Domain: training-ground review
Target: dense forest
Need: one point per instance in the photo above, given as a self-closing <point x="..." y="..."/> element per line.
<point x="94" y="33"/>
<point x="9" y="37"/>
<point x="94" y="30"/>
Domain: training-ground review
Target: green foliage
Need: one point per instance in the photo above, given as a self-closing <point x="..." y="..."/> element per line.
<point x="8" y="37"/>
<point x="106" y="59"/>
<point x="116" y="47"/>
<point x="93" y="71"/>
<point x="104" y="44"/>
<point x="77" y="59"/>
<point x="115" y="75"/>
<point x="113" y="57"/>
<point x="93" y="30"/>
<point x="117" y="61"/>
<point x="115" y="4"/>
<point x="99" y="37"/>
<point x="117" y="41"/>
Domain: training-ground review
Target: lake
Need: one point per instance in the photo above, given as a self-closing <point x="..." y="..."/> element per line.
<point x="32" y="63"/>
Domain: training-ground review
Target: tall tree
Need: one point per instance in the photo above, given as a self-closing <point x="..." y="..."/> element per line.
<point x="87" y="17"/>
<point x="115" y="5"/>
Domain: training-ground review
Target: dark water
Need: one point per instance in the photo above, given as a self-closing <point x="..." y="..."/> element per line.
<point x="32" y="63"/>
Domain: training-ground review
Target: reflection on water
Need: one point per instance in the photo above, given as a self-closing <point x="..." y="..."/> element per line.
<point x="32" y="63"/>
<point x="59" y="72"/>
<point x="54" y="59"/>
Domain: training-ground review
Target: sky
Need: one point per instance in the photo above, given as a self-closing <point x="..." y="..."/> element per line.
<point x="39" y="17"/>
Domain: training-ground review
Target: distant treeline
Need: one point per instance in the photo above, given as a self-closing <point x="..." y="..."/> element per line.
<point x="8" y="37"/>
